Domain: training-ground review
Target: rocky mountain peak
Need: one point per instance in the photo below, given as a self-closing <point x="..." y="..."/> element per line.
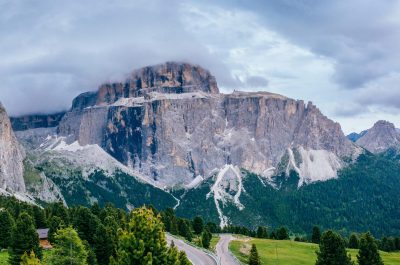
<point x="11" y="157"/>
<point x="170" y="77"/>
<point x="380" y="137"/>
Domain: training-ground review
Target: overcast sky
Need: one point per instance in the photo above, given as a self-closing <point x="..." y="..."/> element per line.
<point x="342" y="55"/>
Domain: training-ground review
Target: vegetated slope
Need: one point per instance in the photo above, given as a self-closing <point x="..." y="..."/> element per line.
<point x="365" y="197"/>
<point x="288" y="252"/>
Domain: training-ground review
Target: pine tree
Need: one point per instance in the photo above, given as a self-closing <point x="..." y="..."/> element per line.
<point x="198" y="225"/>
<point x="332" y="250"/>
<point x="368" y="253"/>
<point x="353" y="241"/>
<point x="6" y="228"/>
<point x="103" y="245"/>
<point x="55" y="224"/>
<point x="85" y="222"/>
<point x="184" y="229"/>
<point x="40" y="217"/>
<point x="25" y="239"/>
<point x="206" y="238"/>
<point x="316" y="235"/>
<point x="282" y="233"/>
<point x="143" y="242"/>
<point x="254" y="259"/>
<point x="68" y="249"/>
<point x="262" y="232"/>
<point x="30" y="259"/>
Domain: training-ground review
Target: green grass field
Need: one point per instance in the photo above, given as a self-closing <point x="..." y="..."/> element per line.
<point x="291" y="253"/>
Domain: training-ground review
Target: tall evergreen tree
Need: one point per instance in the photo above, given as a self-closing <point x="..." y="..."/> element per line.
<point x="198" y="225"/>
<point x="254" y="259"/>
<point x="262" y="232"/>
<point x="6" y="228"/>
<point x="143" y="242"/>
<point x="368" y="253"/>
<point x="55" y="223"/>
<point x="353" y="241"/>
<point x="282" y="233"/>
<point x="85" y="222"/>
<point x="103" y="245"/>
<point x="25" y="239"/>
<point x="40" y="217"/>
<point x="30" y="259"/>
<point x="184" y="229"/>
<point x="316" y="235"/>
<point x="332" y="250"/>
<point x="68" y="249"/>
<point x="206" y="238"/>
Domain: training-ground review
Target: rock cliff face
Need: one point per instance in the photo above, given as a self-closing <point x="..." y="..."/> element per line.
<point x="170" y="123"/>
<point x="36" y="121"/>
<point x="11" y="157"/>
<point x="164" y="78"/>
<point x="380" y="137"/>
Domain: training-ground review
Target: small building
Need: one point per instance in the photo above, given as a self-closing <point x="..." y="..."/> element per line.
<point x="44" y="238"/>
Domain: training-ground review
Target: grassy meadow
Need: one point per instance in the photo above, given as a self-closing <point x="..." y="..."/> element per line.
<point x="285" y="252"/>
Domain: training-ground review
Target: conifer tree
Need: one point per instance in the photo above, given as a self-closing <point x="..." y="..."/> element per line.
<point x="198" y="225"/>
<point x="39" y="217"/>
<point x="143" y="242"/>
<point x="6" y="228"/>
<point x="353" y="241"/>
<point x="282" y="233"/>
<point x="316" y="235"/>
<point x="30" y="259"/>
<point x="206" y="238"/>
<point x="184" y="229"/>
<point x="55" y="224"/>
<point x="332" y="250"/>
<point x="103" y="245"/>
<point x="85" y="222"/>
<point x="368" y="253"/>
<point x="262" y="232"/>
<point x="25" y="239"/>
<point x="68" y="249"/>
<point x="254" y="259"/>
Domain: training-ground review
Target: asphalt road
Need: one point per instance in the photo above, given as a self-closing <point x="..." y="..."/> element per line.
<point x="223" y="250"/>
<point x="196" y="256"/>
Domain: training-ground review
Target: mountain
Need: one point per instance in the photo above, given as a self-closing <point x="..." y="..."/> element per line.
<point x="11" y="157"/>
<point x="166" y="136"/>
<point x="170" y="123"/>
<point x="355" y="136"/>
<point x="382" y="136"/>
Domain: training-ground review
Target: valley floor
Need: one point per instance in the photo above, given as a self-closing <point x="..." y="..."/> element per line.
<point x="284" y="252"/>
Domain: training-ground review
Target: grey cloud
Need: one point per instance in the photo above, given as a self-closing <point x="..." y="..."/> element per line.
<point x="53" y="50"/>
<point x="362" y="36"/>
<point x="352" y="110"/>
<point x="256" y="81"/>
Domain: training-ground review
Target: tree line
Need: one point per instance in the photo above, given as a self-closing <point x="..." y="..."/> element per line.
<point x="82" y="235"/>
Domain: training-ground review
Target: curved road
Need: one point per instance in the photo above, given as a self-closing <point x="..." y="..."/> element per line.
<point x="196" y="256"/>
<point x="223" y="250"/>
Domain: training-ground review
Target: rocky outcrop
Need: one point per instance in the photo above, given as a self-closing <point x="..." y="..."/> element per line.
<point x="170" y="123"/>
<point x="36" y="121"/>
<point x="11" y="157"/>
<point x="382" y="136"/>
<point x="170" y="77"/>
